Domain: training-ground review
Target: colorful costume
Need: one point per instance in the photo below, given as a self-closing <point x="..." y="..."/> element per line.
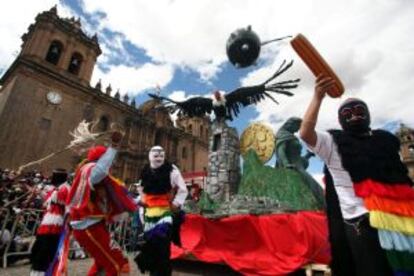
<point x="161" y="222"/>
<point x="94" y="200"/>
<point x="370" y="199"/>
<point x="51" y="226"/>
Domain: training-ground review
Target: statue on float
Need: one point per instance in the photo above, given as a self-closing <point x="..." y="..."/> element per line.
<point x="288" y="183"/>
<point x="288" y="153"/>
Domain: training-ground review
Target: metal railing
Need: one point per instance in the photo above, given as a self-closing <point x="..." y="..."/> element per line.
<point x="23" y="223"/>
<point x="22" y="226"/>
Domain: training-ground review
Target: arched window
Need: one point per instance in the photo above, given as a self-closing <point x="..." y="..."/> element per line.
<point x="75" y="63"/>
<point x="201" y="131"/>
<point x="103" y="124"/>
<point x="190" y="128"/>
<point x="184" y="153"/>
<point x="54" y="53"/>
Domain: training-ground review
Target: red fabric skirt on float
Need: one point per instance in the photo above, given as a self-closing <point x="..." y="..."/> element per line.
<point x="275" y="244"/>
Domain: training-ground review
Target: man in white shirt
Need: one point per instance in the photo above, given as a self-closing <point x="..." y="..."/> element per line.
<point x="354" y="243"/>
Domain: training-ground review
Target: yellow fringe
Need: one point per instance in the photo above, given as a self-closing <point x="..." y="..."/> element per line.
<point x="387" y="221"/>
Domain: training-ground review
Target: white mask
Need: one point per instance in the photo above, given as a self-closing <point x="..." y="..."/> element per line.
<point x="156" y="157"/>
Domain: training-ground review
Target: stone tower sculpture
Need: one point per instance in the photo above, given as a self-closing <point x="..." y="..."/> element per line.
<point x="223" y="161"/>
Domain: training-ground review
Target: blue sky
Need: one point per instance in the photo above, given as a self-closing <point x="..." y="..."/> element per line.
<point x="180" y="46"/>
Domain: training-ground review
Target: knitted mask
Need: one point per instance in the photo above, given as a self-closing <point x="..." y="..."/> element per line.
<point x="354" y="116"/>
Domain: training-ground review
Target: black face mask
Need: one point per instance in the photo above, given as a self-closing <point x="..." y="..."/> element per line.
<point x="354" y="117"/>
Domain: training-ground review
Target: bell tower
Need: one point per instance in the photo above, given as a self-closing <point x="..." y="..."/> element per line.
<point x="60" y="44"/>
<point x="46" y="91"/>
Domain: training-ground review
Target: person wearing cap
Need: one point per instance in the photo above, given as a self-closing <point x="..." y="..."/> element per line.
<point x="95" y="199"/>
<point x="164" y="192"/>
<point x="51" y="226"/>
<point x="369" y="195"/>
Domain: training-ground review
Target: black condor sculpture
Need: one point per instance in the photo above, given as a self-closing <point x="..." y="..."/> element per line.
<point x="227" y="106"/>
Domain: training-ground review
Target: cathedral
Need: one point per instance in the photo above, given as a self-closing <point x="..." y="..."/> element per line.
<point x="46" y="92"/>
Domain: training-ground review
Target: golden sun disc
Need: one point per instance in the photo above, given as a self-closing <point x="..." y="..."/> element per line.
<point x="260" y="138"/>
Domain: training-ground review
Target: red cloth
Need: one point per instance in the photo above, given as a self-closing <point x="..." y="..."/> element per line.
<point x="96" y="241"/>
<point x="95" y="153"/>
<point x="257" y="245"/>
<point x="81" y="204"/>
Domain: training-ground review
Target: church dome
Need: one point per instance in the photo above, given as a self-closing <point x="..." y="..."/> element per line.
<point x="149" y="105"/>
<point x="153" y="109"/>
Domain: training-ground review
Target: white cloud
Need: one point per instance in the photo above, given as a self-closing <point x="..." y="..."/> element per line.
<point x="15" y="19"/>
<point x="132" y="80"/>
<point x="179" y="95"/>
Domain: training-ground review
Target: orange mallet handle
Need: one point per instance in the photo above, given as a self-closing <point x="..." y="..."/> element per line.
<point x="316" y="63"/>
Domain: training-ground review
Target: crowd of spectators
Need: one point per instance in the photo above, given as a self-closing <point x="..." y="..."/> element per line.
<point x="20" y="193"/>
<point x="23" y="191"/>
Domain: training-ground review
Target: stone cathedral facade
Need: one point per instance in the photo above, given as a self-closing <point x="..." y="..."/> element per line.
<point x="46" y="92"/>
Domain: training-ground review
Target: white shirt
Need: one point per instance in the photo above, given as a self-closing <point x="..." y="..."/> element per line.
<point x="178" y="181"/>
<point x="351" y="205"/>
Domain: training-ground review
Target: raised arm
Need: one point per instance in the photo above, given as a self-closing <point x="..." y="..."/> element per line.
<point x="307" y="129"/>
<point x="101" y="169"/>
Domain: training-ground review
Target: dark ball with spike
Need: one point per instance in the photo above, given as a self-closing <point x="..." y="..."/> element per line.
<point x="243" y="47"/>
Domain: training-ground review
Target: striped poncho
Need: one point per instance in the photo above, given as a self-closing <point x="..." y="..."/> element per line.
<point x="381" y="180"/>
<point x="157" y="198"/>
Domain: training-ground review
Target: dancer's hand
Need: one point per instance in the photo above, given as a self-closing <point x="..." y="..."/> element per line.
<point x="323" y="85"/>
